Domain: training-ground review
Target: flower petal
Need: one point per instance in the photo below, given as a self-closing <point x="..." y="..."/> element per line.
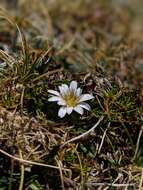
<point x="85" y="106"/>
<point x="86" y="97"/>
<point x="65" y="86"/>
<point x="63" y="89"/>
<point x="54" y="99"/>
<point x="73" y="85"/>
<point x="69" y="110"/>
<point x="61" y="102"/>
<point x="79" y="109"/>
<point x="54" y="92"/>
<point x="78" y="92"/>
<point x="62" y="112"/>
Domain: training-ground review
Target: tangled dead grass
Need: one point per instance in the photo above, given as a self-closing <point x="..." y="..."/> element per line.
<point x="42" y="49"/>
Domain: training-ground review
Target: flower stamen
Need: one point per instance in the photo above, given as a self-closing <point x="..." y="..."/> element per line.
<point x="71" y="99"/>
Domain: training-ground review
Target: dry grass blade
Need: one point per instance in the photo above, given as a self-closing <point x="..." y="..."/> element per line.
<point x="22" y="173"/>
<point x="92" y="185"/>
<point x="138" y="142"/>
<point x="7" y="58"/>
<point x="61" y="174"/>
<point x="141" y="181"/>
<point x="84" y="135"/>
<point x="32" y="163"/>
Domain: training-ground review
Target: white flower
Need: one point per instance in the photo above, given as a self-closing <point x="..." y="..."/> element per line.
<point x="70" y="99"/>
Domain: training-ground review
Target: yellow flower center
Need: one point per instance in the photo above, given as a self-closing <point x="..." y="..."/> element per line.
<point x="71" y="99"/>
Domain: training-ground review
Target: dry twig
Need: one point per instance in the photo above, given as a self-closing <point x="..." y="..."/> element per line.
<point x="84" y="135"/>
<point x="31" y="162"/>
